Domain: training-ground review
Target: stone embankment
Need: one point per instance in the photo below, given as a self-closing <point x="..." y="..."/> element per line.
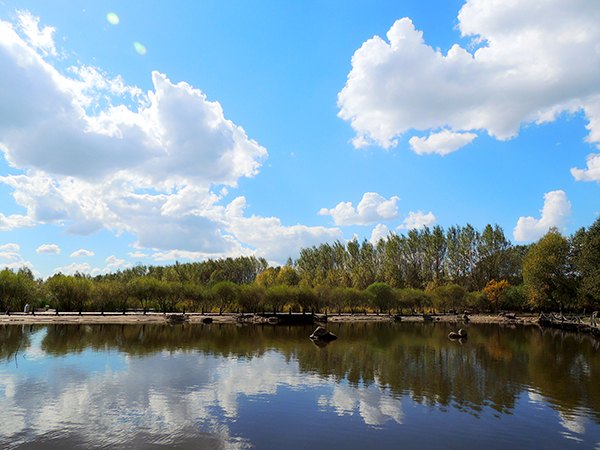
<point x="588" y="325"/>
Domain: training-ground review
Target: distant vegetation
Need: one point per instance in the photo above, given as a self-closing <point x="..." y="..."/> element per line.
<point x="431" y="269"/>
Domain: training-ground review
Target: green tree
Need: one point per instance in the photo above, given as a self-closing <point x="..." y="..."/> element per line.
<point x="194" y="296"/>
<point x="167" y="294"/>
<point x="109" y="295"/>
<point x="414" y="299"/>
<point x="515" y="298"/>
<point x="225" y="294"/>
<point x="351" y="298"/>
<point x="493" y="256"/>
<point x="477" y="301"/>
<point x="412" y="253"/>
<point x="393" y="262"/>
<point x="17" y="290"/>
<point x="276" y="297"/>
<point x="251" y="297"/>
<point x="547" y="272"/>
<point x="462" y="255"/>
<point x="268" y="278"/>
<point x="144" y="290"/>
<point x="382" y="296"/>
<point x="587" y="261"/>
<point x="68" y="293"/>
<point x="288" y="276"/>
<point x="323" y="297"/>
<point x="306" y="298"/>
<point x="449" y="297"/>
<point x="434" y="254"/>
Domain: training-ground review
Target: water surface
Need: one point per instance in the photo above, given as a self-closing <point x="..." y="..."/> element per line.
<point x="384" y="386"/>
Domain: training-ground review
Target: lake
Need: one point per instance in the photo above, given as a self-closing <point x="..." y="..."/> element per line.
<point x="380" y="385"/>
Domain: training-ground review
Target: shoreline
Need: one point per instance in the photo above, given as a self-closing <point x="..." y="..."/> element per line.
<point x="42" y="318"/>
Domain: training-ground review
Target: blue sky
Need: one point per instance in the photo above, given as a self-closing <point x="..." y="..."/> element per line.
<point x="259" y="128"/>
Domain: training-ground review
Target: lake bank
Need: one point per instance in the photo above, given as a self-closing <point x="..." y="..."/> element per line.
<point x="135" y="317"/>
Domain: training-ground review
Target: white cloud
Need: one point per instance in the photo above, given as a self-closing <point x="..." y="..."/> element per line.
<point x="81" y="253"/>
<point x="371" y="209"/>
<point x="41" y="40"/>
<point x="417" y="220"/>
<point x="71" y="269"/>
<point x="11" y="259"/>
<point x="174" y="255"/>
<point x="379" y="232"/>
<point x="10" y="247"/>
<point x="441" y="143"/>
<point x="592" y="173"/>
<point x="375" y="407"/>
<point x="529" y="62"/>
<point x="138" y="254"/>
<point x="11" y="256"/>
<point x="14" y="221"/>
<point x="148" y="170"/>
<point x="16" y="265"/>
<point x="555" y="212"/>
<point x="272" y="240"/>
<point x="114" y="262"/>
<point x="48" y="249"/>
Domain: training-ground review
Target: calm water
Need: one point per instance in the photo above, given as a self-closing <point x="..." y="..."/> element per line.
<point x="381" y="386"/>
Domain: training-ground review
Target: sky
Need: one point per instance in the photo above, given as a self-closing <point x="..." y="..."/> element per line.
<point x="154" y="132"/>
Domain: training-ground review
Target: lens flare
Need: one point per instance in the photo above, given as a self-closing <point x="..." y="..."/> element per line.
<point x="112" y="18"/>
<point x="139" y="48"/>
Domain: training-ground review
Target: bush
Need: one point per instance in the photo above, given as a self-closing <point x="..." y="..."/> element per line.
<point x="478" y="302"/>
<point x="382" y="297"/>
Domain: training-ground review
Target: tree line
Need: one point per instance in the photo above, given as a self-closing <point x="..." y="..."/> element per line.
<point x="429" y="269"/>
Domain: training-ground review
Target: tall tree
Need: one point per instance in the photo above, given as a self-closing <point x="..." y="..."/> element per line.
<point x="393" y="263"/>
<point x="587" y="261"/>
<point x="547" y="272"/>
<point x="434" y="254"/>
<point x="462" y="255"/>
<point x="493" y="258"/>
<point x="412" y="253"/>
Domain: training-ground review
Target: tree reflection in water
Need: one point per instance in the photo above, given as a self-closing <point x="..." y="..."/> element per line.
<point x="494" y="369"/>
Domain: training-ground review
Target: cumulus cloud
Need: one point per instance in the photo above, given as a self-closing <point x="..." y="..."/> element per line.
<point x="272" y="240"/>
<point x="48" y="249"/>
<point x="417" y="220"/>
<point x="441" y="143"/>
<point x="73" y="268"/>
<point x="114" y="262"/>
<point x="11" y="256"/>
<point x="14" y="221"/>
<point x="89" y="162"/>
<point x="10" y="247"/>
<point x="138" y="254"/>
<point x="81" y="253"/>
<point x="371" y="209"/>
<point x="528" y="62"/>
<point x="555" y="213"/>
<point x="11" y="259"/>
<point x="592" y="173"/>
<point x="175" y="255"/>
<point x="379" y="232"/>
